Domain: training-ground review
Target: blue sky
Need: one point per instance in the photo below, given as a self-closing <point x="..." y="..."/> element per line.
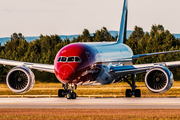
<point x="67" y="17"/>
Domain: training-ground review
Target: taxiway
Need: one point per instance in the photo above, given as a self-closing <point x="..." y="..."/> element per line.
<point x="92" y="103"/>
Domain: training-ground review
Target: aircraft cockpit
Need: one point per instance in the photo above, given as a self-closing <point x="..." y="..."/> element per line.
<point x="69" y="59"/>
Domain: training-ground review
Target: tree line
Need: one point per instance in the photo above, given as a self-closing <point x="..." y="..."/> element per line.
<point x="44" y="49"/>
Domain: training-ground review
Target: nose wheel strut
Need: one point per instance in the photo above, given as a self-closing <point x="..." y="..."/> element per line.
<point x="133" y="90"/>
<point x="69" y="93"/>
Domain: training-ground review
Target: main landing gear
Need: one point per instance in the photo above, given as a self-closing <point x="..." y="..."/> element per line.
<point x="133" y="90"/>
<point x="69" y="93"/>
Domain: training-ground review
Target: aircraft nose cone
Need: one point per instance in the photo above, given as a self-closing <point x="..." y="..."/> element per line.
<point x="66" y="72"/>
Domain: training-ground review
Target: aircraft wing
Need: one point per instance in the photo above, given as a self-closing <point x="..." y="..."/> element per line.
<point x="140" y="68"/>
<point x="152" y="54"/>
<point x="37" y="66"/>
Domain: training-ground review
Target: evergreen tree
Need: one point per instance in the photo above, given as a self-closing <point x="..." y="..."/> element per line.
<point x="44" y="49"/>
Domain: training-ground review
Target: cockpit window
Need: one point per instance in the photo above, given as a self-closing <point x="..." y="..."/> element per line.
<point x="77" y="59"/>
<point x="63" y="59"/>
<point x="70" y="59"/>
<point x="59" y="59"/>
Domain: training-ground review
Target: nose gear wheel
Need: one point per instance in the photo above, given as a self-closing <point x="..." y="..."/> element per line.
<point x="69" y="93"/>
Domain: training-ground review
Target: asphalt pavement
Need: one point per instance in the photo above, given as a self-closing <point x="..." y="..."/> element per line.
<point x="92" y="103"/>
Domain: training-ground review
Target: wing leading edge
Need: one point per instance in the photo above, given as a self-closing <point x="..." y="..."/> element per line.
<point x="140" y="68"/>
<point x="152" y="54"/>
<point x="37" y="66"/>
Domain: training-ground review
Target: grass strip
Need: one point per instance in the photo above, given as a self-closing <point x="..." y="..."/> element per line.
<point x="89" y="114"/>
<point x="112" y="90"/>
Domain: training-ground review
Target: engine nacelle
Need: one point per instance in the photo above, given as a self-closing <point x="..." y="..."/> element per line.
<point x="159" y="79"/>
<point x="20" y="79"/>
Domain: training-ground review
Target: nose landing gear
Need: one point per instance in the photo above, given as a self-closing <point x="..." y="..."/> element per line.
<point x="69" y="93"/>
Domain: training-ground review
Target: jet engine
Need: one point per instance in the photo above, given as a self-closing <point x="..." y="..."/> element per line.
<point x="159" y="79"/>
<point x="20" y="79"/>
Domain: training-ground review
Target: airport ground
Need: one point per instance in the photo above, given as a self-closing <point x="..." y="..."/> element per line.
<point x="113" y="90"/>
<point x="90" y="108"/>
<point x="89" y="114"/>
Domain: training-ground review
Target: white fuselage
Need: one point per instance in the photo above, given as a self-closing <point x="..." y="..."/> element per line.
<point x="112" y="52"/>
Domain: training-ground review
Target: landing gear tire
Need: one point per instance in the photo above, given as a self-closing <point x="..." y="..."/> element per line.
<point x="128" y="93"/>
<point x="137" y="93"/>
<point x="69" y="96"/>
<point x="61" y="93"/>
<point x="73" y="95"/>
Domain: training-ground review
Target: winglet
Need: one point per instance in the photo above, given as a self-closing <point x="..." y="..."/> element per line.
<point x="123" y="25"/>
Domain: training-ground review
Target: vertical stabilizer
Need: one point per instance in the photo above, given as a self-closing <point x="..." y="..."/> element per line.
<point x="123" y="24"/>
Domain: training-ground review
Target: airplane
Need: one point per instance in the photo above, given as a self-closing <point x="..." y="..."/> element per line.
<point x="95" y="63"/>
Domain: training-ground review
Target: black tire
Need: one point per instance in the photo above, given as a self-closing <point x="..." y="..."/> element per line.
<point x="69" y="95"/>
<point x="61" y="93"/>
<point x="137" y="93"/>
<point x="128" y="93"/>
<point x="73" y="95"/>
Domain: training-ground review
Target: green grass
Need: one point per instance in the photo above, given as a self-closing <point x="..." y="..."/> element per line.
<point x="112" y="90"/>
